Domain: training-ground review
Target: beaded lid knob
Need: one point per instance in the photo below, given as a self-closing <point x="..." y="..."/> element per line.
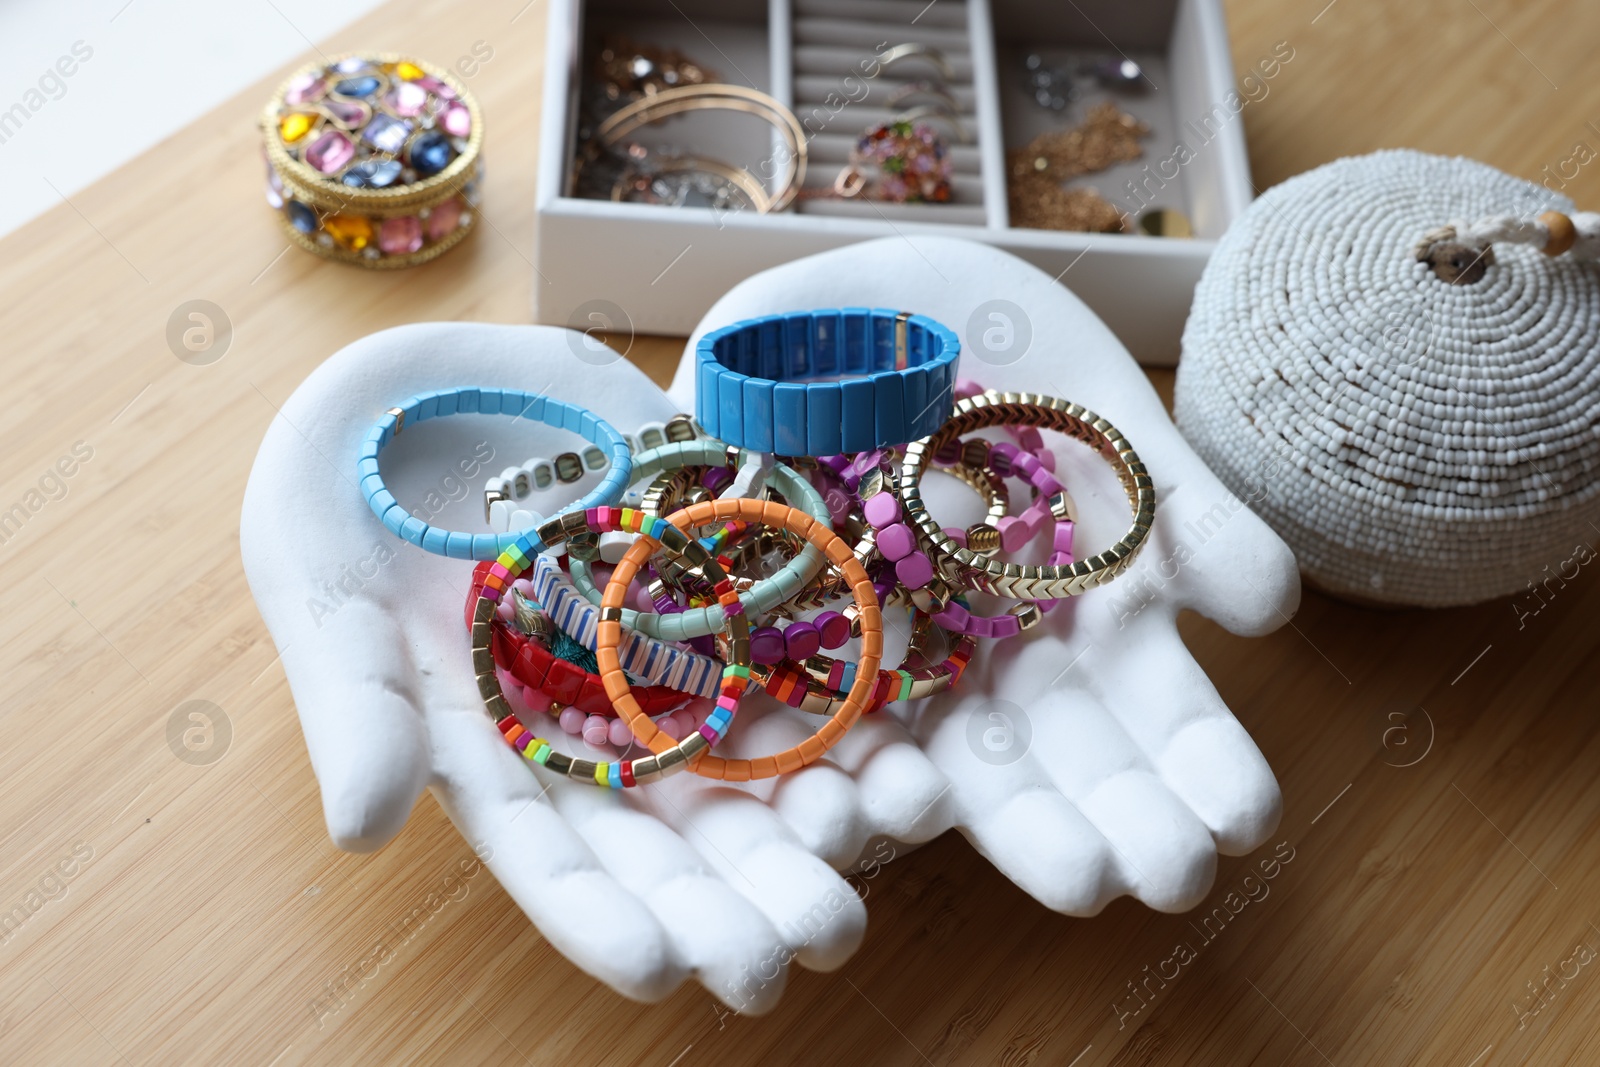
<point x="1419" y="429"/>
<point x="373" y="159"/>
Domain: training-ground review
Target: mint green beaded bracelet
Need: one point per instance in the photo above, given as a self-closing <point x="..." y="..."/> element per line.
<point x="765" y="594"/>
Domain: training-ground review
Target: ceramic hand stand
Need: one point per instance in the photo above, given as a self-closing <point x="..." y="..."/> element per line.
<point x="1131" y="790"/>
<point x="1092" y="758"/>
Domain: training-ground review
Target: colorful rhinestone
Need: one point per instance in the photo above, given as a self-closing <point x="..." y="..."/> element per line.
<point x="304" y="89"/>
<point x="330" y="152"/>
<point x="400" y="236"/>
<point x="295" y="125"/>
<point x="431" y="153"/>
<point x="442" y="220"/>
<point x="350" y="231"/>
<point x="373" y="174"/>
<point x="457" y="121"/>
<point x="408" y="99"/>
<point x="357" y="87"/>
<point x="901" y="162"/>
<point x="386" y="133"/>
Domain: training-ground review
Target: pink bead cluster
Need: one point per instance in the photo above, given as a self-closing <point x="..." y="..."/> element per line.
<point x="599" y="729"/>
<point x="1029" y="459"/>
<point x="897" y="541"/>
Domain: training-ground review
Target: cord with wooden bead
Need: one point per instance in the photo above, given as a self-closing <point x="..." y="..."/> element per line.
<point x="1460" y="252"/>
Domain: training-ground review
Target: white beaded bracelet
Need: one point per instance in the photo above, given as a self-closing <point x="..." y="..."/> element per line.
<point x="503" y="493"/>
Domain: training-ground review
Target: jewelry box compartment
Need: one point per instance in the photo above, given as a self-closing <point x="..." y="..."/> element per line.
<point x="1059" y="64"/>
<point x="859" y="66"/>
<point x="672" y="46"/>
<point x="658" y="267"/>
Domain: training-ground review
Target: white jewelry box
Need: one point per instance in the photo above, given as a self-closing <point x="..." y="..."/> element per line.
<point x="649" y="268"/>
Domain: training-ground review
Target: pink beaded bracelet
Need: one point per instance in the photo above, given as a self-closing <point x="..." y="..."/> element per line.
<point x="1052" y="505"/>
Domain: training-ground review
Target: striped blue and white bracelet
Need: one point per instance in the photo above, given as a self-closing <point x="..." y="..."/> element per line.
<point x="653" y="660"/>
<point x="531" y="406"/>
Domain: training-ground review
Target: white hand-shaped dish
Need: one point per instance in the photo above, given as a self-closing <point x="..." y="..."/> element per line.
<point x="1089" y="760"/>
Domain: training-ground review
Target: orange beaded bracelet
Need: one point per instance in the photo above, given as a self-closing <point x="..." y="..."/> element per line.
<point x="838" y="552"/>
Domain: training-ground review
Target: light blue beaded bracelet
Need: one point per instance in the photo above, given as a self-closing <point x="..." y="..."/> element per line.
<point x="896" y="381"/>
<point x="531" y="406"/>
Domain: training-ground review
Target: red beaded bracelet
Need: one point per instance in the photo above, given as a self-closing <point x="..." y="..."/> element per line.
<point x="532" y="664"/>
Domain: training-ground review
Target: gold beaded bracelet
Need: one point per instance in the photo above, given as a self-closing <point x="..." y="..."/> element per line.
<point x="1032" y="582"/>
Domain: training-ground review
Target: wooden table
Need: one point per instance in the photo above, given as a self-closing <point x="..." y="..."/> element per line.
<point x="175" y="912"/>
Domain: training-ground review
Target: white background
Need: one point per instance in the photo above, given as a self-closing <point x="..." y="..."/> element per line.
<point x="156" y="65"/>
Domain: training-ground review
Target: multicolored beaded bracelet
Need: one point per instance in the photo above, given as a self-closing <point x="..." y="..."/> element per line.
<point x="531" y="406"/>
<point x="684" y="717"/>
<point x="530" y="662"/>
<point x="771" y="514"/>
<point x="667" y="757"/>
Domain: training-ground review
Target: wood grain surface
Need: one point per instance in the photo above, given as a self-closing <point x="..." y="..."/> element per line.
<point x="1434" y="883"/>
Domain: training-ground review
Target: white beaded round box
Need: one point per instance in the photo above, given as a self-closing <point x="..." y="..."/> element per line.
<point x="1419" y="432"/>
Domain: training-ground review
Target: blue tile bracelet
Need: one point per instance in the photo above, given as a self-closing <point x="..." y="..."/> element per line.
<point x="892" y="380"/>
<point x="464" y="401"/>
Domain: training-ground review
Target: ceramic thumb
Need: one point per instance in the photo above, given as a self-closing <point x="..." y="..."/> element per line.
<point x="362" y="725"/>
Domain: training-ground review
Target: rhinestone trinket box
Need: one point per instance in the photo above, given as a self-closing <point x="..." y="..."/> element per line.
<point x="373" y="159"/>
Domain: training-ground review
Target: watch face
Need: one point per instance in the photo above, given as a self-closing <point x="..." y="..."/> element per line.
<point x="684" y="188"/>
